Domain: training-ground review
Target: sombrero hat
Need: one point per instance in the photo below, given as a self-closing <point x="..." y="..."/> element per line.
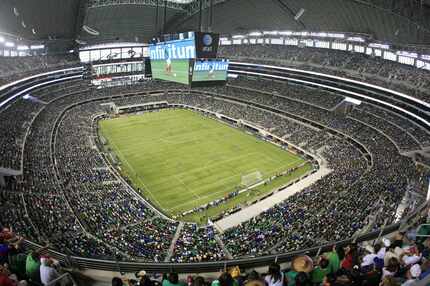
<point x="302" y="263"/>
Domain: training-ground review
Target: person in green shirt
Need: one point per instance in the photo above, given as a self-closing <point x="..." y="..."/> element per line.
<point x="291" y="277"/>
<point x="172" y="280"/>
<point x="333" y="259"/>
<point x="32" y="265"/>
<point x="320" y="271"/>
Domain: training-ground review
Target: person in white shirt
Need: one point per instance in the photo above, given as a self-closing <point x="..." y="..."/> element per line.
<point x="413" y="273"/>
<point x="274" y="276"/>
<point x="369" y="257"/>
<point x="47" y="271"/>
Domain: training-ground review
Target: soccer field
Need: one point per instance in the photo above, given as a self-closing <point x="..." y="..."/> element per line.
<point x="181" y="159"/>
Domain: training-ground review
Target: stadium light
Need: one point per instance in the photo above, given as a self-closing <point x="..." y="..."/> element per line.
<point x="285" y="33"/>
<point x="255" y="34"/>
<point x="238" y="36"/>
<point x="379" y="46"/>
<point x="37" y="47"/>
<point x="22" y="48"/>
<point x="274" y="33"/>
<point x="1" y="40"/>
<point x="407" y="54"/>
<point x="9" y="44"/>
<point x="319" y="34"/>
<point x="336" y="35"/>
<point x="356" y="39"/>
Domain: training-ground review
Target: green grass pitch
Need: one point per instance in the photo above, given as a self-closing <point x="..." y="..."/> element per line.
<point x="179" y="72"/>
<point x="181" y="159"/>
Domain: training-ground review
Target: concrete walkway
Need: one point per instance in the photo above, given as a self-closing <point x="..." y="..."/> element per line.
<point x="255" y="209"/>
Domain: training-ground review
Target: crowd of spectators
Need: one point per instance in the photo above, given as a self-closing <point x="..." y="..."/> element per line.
<point x="197" y="245"/>
<point x="403" y="260"/>
<point x="21" y="266"/>
<point x="71" y="198"/>
<point x="414" y="82"/>
<point x="406" y="135"/>
<point x="13" y="68"/>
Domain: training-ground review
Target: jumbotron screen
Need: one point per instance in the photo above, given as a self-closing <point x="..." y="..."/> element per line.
<point x="175" y="60"/>
<point x="210" y="70"/>
<point x="171" y="70"/>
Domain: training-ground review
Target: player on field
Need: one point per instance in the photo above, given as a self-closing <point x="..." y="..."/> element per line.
<point x="211" y="73"/>
<point x="168" y="67"/>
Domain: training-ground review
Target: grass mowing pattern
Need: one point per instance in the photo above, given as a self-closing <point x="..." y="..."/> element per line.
<point x="181" y="159"/>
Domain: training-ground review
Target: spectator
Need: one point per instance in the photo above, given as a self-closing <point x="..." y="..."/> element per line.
<point x="351" y="257"/>
<point x="389" y="281"/>
<point x="392" y="268"/>
<point x="303" y="279"/>
<point x="369" y="257"/>
<point x="144" y="280"/>
<point x="172" y="280"/>
<point x="425" y="267"/>
<point x="299" y="264"/>
<point x="320" y="271"/>
<point x="333" y="259"/>
<point x="412" y="275"/>
<point x="329" y="280"/>
<point x="199" y="281"/>
<point x="32" y="265"/>
<point x="252" y="277"/>
<point x="225" y="279"/>
<point x="116" y="281"/>
<point x="8" y="279"/>
<point x="48" y="273"/>
<point x="274" y="276"/>
<point x="4" y="251"/>
<point x="390" y="253"/>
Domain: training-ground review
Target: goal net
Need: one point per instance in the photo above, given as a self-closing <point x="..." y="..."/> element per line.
<point x="251" y="179"/>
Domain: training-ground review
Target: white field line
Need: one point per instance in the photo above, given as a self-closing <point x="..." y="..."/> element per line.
<point x="186" y="187"/>
<point x="204" y="197"/>
<point x="223" y="191"/>
<point x="131" y="167"/>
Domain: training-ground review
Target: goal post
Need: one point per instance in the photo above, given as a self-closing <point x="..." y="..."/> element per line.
<point x="251" y="179"/>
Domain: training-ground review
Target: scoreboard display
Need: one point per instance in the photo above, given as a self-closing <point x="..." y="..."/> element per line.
<point x="173" y="70"/>
<point x="189" y="58"/>
<point x="210" y="70"/>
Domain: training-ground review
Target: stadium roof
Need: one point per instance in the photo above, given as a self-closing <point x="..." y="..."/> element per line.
<point x="100" y="21"/>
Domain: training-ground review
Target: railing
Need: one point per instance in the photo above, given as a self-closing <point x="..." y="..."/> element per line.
<point x="243" y="263"/>
<point x="64" y="277"/>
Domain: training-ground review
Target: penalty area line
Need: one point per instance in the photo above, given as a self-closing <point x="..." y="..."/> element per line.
<point x="137" y="176"/>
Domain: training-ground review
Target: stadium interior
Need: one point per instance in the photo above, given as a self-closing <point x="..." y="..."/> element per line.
<point x="214" y="142"/>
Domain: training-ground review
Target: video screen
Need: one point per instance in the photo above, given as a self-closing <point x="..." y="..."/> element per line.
<point x="174" y="50"/>
<point x="171" y="70"/>
<point x="210" y="70"/>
